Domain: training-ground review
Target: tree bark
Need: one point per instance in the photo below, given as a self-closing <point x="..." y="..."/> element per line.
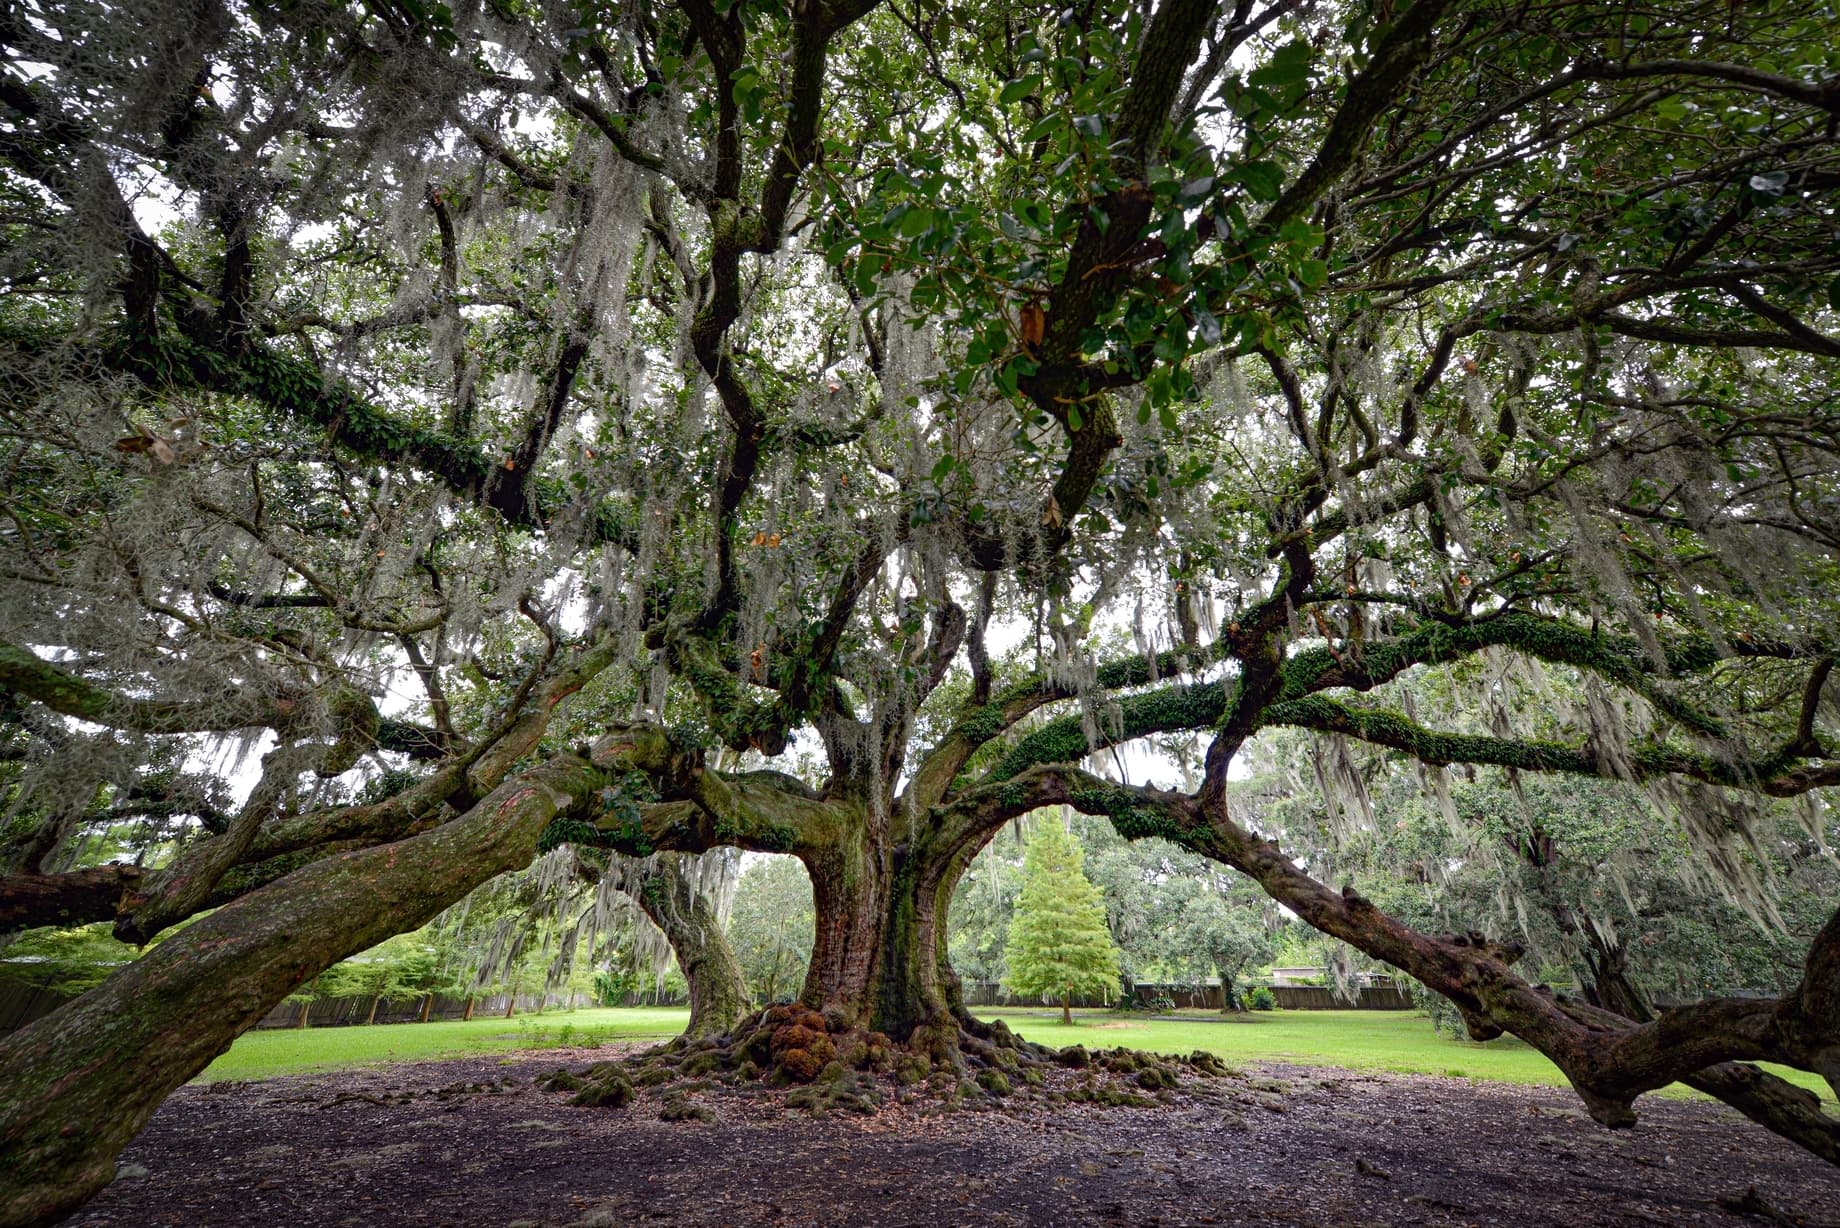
<point x="719" y="997"/>
<point x="879" y="957"/>
<point x="1067" y="1005"/>
<point x="84" y="1079"/>
<point x="75" y="898"/>
<point x="1226" y="989"/>
<point x="849" y="887"/>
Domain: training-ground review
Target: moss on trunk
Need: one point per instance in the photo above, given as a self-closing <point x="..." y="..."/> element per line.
<point x="719" y="998"/>
<point x="85" y="1079"/>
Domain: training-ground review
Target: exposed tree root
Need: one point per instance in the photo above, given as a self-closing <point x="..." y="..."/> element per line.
<point x="956" y="1063"/>
<point x="1753" y="1203"/>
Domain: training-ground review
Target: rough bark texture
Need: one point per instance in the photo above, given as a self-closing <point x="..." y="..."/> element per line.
<point x="849" y="886"/>
<point x="83" y="1080"/>
<point x="719" y="997"/>
<point x="75" y="898"/>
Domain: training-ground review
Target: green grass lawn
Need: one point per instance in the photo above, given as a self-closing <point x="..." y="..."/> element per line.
<point x="284" y="1051"/>
<point x="1400" y="1041"/>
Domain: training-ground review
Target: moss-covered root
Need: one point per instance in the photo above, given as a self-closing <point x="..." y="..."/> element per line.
<point x="605" y="1084"/>
<point x="784" y="1046"/>
<point x="1149" y="1072"/>
<point x="855" y="1071"/>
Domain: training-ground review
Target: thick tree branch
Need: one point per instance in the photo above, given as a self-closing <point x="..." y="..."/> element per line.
<point x="1779" y="774"/>
<point x="77" y="897"/>
<point x="224" y="973"/>
<point x="25" y="674"/>
<point x="1373" y="92"/>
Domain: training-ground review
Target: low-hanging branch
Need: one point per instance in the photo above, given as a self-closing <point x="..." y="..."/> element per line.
<point x="1608" y="1064"/>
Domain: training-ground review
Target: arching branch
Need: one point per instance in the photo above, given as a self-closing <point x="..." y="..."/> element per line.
<point x="77" y="897"/>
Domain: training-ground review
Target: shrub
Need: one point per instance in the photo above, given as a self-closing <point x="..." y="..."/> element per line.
<point x="1261" y="999"/>
<point x="1445" y="1020"/>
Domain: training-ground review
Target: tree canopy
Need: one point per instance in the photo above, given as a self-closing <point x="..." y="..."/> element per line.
<point x="842" y="428"/>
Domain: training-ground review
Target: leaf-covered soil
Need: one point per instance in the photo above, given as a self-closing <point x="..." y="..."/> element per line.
<point x="477" y="1141"/>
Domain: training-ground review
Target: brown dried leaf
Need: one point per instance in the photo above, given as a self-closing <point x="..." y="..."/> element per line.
<point x="1034" y="322"/>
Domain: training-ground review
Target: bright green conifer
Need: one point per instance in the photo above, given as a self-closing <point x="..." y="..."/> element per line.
<point x="1058" y="941"/>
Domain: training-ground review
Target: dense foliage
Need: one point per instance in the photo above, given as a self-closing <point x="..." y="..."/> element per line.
<point x="843" y="428"/>
<point x="1058" y="944"/>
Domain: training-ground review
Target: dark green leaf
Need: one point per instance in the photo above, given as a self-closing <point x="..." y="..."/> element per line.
<point x="1019" y="89"/>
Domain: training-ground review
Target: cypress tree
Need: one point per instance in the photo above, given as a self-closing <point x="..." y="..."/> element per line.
<point x="1058" y="940"/>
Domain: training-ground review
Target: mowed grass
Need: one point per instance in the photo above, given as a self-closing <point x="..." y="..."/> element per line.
<point x="1398" y="1041"/>
<point x="285" y="1051"/>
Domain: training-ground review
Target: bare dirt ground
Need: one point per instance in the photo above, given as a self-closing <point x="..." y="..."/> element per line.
<point x="478" y="1142"/>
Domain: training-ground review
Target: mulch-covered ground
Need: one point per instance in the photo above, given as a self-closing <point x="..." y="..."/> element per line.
<point x="477" y="1141"/>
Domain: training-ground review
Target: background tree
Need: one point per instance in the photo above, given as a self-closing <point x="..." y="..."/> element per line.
<point x="983" y="906"/>
<point x="1058" y="943"/>
<point x="770" y="926"/>
<point x="1219" y="933"/>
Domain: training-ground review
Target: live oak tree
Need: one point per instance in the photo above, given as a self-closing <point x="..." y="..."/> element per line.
<point x="649" y="399"/>
<point x="1058" y="944"/>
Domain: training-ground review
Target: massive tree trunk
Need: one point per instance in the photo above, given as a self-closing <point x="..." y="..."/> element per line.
<point x="719" y="997"/>
<point x="83" y="1080"/>
<point x="875" y="952"/>
<point x="879" y="960"/>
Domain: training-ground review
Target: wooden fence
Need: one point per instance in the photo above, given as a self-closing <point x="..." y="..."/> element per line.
<point x="1206" y="997"/>
<point x="339" y="1012"/>
<point x="1322" y="998"/>
<point x="21" y="1004"/>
